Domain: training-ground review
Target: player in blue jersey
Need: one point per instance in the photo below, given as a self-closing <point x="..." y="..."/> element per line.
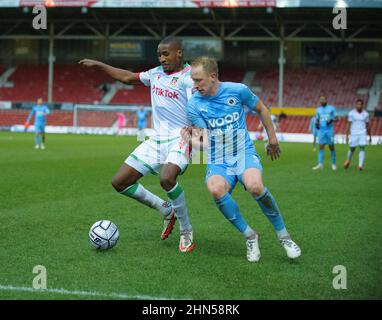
<point x="217" y="109"/>
<point x="141" y="123"/>
<point x="326" y="115"/>
<point x="314" y="131"/>
<point x="40" y="111"/>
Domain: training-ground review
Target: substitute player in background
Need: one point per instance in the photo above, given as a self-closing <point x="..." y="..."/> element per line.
<point x="121" y="122"/>
<point x="314" y="131"/>
<point x="326" y="115"/>
<point x="171" y="86"/>
<point x="217" y="108"/>
<point x="358" y="126"/>
<point x="141" y="118"/>
<point x="40" y="111"/>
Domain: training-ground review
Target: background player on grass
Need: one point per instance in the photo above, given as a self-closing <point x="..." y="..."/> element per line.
<point x="358" y="126"/>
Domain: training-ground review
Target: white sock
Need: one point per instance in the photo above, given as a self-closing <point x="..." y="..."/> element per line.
<point x="138" y="192"/>
<point x="178" y="201"/>
<point x="361" y="158"/>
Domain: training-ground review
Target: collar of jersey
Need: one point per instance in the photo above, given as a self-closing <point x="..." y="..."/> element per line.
<point x="185" y="65"/>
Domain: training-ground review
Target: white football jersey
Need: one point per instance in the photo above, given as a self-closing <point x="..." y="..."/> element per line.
<point x="358" y="122"/>
<point x="169" y="96"/>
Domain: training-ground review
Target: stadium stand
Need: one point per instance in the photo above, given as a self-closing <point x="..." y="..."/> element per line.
<point x="71" y="84"/>
<point x="303" y="86"/>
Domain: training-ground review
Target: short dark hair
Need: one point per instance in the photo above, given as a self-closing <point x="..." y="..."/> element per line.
<point x="359" y="100"/>
<point x="171" y="39"/>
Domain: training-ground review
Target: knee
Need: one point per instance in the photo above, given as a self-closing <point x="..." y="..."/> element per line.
<point x="255" y="188"/>
<point x="167" y="182"/>
<point x="217" y="190"/>
<point x="117" y="185"/>
<point x="120" y="184"/>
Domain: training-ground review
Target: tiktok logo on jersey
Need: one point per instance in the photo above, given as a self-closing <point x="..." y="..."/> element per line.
<point x="227" y="120"/>
<point x="165" y="93"/>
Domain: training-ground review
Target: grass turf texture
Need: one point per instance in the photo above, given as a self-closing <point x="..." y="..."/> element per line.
<point x="50" y="198"/>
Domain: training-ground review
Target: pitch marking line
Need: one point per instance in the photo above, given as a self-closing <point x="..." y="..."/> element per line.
<point x="80" y="293"/>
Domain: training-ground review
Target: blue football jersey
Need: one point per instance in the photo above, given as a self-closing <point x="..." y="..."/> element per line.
<point x="325" y="114"/>
<point x="141" y="118"/>
<point x="224" y="116"/>
<point x="40" y="112"/>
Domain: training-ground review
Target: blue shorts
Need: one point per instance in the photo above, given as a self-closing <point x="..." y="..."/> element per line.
<point x="233" y="173"/>
<point x="326" y="137"/>
<point x="39" y="128"/>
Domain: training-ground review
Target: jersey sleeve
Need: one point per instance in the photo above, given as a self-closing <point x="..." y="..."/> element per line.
<point x="248" y="98"/>
<point x="350" y="116"/>
<point x="367" y="117"/>
<point x="145" y="77"/>
<point x="46" y="110"/>
<point x="194" y="116"/>
<point x="188" y="85"/>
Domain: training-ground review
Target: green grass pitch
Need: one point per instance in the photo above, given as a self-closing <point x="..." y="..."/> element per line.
<point x="50" y="198"/>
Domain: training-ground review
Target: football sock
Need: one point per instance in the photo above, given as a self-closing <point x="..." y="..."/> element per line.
<point x="43" y="139"/>
<point x="231" y="211"/>
<point x="349" y="155"/>
<point x="361" y="158"/>
<point x="270" y="209"/>
<point x="321" y="154"/>
<point x="333" y="156"/>
<point x="138" y="192"/>
<point x="178" y="201"/>
<point x="37" y="140"/>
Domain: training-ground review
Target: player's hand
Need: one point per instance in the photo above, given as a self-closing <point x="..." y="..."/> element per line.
<point x="186" y="133"/>
<point x="273" y="150"/>
<point x="88" y="63"/>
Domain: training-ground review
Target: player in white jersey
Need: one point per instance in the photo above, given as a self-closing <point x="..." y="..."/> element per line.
<point x="358" y="127"/>
<point x="165" y="153"/>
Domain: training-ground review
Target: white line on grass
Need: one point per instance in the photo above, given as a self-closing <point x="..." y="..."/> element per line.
<point x="79" y="293"/>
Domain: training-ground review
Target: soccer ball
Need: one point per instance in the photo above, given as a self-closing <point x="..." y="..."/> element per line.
<point x="103" y="235"/>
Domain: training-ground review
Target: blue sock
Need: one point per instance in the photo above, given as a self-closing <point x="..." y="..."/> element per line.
<point x="321" y="156"/>
<point x="333" y="156"/>
<point x="269" y="207"/>
<point x="36" y="139"/>
<point x="231" y="211"/>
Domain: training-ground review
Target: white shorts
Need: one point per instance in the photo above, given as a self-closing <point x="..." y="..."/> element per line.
<point x="151" y="154"/>
<point x="359" y="140"/>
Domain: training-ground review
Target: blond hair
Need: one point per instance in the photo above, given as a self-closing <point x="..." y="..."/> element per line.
<point x="208" y="64"/>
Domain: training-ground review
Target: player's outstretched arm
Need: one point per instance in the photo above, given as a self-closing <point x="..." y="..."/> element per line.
<point x="122" y="75"/>
<point x="273" y="149"/>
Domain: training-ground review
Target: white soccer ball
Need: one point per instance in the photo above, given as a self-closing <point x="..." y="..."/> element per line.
<point x="103" y="235"/>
